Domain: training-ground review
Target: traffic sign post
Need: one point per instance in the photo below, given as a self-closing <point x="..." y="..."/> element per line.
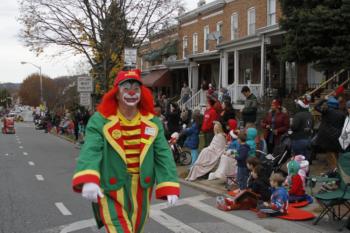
<point x="85" y="88"/>
<point x="130" y="57"/>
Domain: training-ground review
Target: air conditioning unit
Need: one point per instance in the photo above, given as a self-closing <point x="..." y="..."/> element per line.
<point x="214" y="35"/>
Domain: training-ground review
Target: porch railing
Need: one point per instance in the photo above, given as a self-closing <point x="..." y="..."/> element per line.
<point x="196" y="101"/>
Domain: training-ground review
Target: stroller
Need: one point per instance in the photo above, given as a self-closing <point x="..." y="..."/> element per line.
<point x="180" y="156"/>
<point x="275" y="161"/>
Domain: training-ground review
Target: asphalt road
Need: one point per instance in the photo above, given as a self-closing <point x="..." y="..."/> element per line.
<point x="36" y="196"/>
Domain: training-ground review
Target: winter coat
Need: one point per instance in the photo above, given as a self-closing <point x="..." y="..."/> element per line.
<point x="260" y="186"/>
<point x="192" y="139"/>
<point x="173" y="124"/>
<point x="251" y="135"/>
<point x="344" y="138"/>
<point x="330" y="129"/>
<point x="210" y="115"/>
<point x="243" y="153"/>
<point x="296" y="186"/>
<point x="279" y="200"/>
<point x="227" y="115"/>
<point x="302" y="125"/>
<point x="281" y="124"/>
<point x="250" y="109"/>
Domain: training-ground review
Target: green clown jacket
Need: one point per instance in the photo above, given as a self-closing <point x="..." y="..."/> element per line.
<point x="102" y="159"/>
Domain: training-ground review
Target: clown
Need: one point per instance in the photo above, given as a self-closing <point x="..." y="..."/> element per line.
<point x="124" y="154"/>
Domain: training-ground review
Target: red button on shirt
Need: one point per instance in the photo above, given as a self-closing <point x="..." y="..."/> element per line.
<point x="113" y="180"/>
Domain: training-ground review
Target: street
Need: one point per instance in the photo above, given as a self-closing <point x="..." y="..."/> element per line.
<point x="36" y="195"/>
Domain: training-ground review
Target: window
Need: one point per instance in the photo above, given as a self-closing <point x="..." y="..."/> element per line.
<point x="251" y="21"/>
<point x="219" y="26"/>
<point x="271" y="12"/>
<point x="195" y="43"/>
<point x="184" y="47"/>
<point x="206" y="39"/>
<point x="234" y="26"/>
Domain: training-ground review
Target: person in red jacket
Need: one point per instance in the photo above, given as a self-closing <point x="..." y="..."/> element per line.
<point x="210" y="115"/>
<point x="296" y="186"/>
<point x="275" y="124"/>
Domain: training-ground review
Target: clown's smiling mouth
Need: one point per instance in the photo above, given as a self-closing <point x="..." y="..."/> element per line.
<point x="131" y="100"/>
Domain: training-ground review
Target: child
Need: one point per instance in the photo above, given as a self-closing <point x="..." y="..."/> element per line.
<point x="242" y="155"/>
<point x="192" y="133"/>
<point x="258" y="183"/>
<point x="279" y="199"/>
<point x="233" y="145"/>
<point x="295" y="182"/>
<point x="251" y="135"/>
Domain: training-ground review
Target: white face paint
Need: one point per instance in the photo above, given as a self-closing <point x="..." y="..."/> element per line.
<point x="130" y="93"/>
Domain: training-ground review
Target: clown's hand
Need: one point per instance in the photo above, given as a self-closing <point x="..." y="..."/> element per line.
<point x="91" y="191"/>
<point x="172" y="199"/>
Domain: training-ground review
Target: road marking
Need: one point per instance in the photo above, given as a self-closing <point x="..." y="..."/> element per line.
<point x="64" y="211"/>
<point x="20" y="147"/>
<point x="39" y="177"/>
<point x="19" y="142"/>
<point x="31" y="163"/>
<point x="6" y="154"/>
<point x="25" y="153"/>
<point x="170" y="222"/>
<point x="232" y="219"/>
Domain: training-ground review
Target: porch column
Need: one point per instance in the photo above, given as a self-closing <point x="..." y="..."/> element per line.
<point x="194" y="68"/>
<point x="236" y="75"/>
<point x="189" y="76"/>
<point x="262" y="68"/>
<point x="224" y="70"/>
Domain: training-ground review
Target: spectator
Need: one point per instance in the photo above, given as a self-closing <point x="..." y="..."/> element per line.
<point x="330" y="129"/>
<point x="344" y="138"/>
<point x="242" y="155"/>
<point x="224" y="95"/>
<point x="204" y="85"/>
<point x="250" y="106"/>
<point x="294" y="181"/>
<point x="209" y="156"/>
<point x="211" y="89"/>
<point x="210" y="116"/>
<point x="227" y="114"/>
<point x="252" y="133"/>
<point x="173" y="119"/>
<point x="258" y="183"/>
<point x="192" y="139"/>
<point x="279" y="199"/>
<point x="275" y="124"/>
<point x="185" y="93"/>
<point x="302" y="126"/>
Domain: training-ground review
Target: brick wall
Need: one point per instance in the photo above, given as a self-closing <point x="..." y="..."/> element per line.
<point x="239" y="6"/>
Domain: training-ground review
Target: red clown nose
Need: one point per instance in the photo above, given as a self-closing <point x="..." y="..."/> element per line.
<point x="131" y="92"/>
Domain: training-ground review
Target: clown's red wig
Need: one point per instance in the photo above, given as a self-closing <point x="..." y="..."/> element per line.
<point x="109" y="104"/>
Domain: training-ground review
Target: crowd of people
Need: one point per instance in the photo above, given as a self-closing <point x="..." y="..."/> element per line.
<point x="232" y="138"/>
<point x="68" y="123"/>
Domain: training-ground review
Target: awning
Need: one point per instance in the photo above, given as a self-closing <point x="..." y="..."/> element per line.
<point x="157" y="78"/>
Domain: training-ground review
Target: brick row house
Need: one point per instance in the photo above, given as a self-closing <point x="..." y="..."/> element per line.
<point x="233" y="43"/>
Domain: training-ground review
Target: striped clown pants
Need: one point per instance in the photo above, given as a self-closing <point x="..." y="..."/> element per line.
<point x="126" y="210"/>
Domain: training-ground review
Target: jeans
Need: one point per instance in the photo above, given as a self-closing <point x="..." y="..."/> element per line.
<point x="302" y="147"/>
<point x="194" y="155"/>
<point x="242" y="177"/>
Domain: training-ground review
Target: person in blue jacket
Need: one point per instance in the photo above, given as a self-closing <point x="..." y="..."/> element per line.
<point x="192" y="136"/>
<point x="251" y="135"/>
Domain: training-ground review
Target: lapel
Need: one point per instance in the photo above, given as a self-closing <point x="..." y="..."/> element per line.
<point x="112" y="132"/>
<point x="149" y="132"/>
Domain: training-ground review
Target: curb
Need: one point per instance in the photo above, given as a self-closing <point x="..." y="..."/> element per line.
<point x="201" y="187"/>
<point x="63" y="137"/>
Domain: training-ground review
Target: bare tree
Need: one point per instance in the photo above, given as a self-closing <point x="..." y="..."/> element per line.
<point x="99" y="29"/>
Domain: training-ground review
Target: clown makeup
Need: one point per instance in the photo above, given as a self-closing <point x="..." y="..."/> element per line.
<point x="130" y="92"/>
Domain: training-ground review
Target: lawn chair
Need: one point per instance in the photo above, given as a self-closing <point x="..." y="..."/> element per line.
<point x="331" y="201"/>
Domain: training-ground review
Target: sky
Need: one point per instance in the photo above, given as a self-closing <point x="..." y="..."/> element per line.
<point x="12" y="51"/>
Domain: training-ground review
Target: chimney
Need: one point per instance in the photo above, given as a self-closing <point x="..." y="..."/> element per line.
<point x="201" y="3"/>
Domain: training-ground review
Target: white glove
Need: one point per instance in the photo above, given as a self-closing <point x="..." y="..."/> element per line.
<point x="172" y="199"/>
<point x="91" y="191"/>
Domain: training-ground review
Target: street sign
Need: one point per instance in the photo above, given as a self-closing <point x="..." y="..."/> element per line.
<point x="130" y="56"/>
<point x="85" y="84"/>
<point x="85" y="99"/>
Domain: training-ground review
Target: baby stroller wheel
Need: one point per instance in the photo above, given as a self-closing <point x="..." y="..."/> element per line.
<point x="185" y="158"/>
